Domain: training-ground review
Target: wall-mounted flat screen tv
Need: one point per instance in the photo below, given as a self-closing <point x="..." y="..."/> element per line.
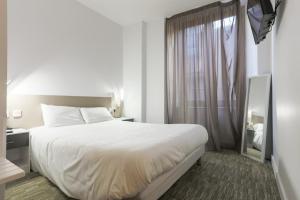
<point x="261" y="16"/>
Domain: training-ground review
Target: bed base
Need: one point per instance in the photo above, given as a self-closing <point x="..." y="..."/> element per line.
<point x="161" y="184"/>
<point x="199" y="163"/>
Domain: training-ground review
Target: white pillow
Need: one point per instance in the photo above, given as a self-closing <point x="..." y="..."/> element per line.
<point x="258" y="127"/>
<point x="94" y="115"/>
<point x="54" y="116"/>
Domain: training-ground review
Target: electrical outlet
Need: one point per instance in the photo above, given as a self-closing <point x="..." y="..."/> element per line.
<point x="17" y="114"/>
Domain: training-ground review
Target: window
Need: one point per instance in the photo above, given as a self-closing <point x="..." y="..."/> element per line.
<point x="195" y="69"/>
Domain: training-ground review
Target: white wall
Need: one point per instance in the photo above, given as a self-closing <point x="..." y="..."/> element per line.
<point x="264" y="57"/>
<point x="286" y="72"/>
<point x="258" y="57"/>
<point x="134" y="71"/>
<point x="144" y="71"/>
<point x="3" y="67"/>
<point x="155" y="71"/>
<point x="60" y="47"/>
<point x="251" y="51"/>
<point x="2" y="83"/>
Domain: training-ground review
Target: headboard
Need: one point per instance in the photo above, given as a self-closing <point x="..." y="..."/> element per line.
<point x="31" y="109"/>
<point x="257" y="119"/>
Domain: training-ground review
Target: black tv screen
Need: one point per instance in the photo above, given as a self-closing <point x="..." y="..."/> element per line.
<point x="261" y="17"/>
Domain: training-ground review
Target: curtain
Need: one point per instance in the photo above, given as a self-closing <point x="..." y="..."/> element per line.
<point x="205" y="71"/>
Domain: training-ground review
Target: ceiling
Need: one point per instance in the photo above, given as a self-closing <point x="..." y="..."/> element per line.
<point x="125" y="12"/>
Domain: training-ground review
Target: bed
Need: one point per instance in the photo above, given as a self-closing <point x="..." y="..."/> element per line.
<point x="111" y="159"/>
<point x="258" y="136"/>
<point x="116" y="159"/>
<point x="258" y="128"/>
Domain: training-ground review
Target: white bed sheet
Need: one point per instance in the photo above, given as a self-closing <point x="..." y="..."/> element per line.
<point x="111" y="160"/>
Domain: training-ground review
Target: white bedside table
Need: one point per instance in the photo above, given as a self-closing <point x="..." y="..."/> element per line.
<point x="127" y="119"/>
<point x="17" y="145"/>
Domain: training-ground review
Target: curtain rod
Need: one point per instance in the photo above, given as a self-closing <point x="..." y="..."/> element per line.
<point x="211" y="5"/>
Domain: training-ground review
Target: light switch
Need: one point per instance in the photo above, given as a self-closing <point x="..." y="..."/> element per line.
<point x="17" y="114"/>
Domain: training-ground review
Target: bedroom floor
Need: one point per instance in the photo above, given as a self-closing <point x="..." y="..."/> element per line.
<point x="222" y="176"/>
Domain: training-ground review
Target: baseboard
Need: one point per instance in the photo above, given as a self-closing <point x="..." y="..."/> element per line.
<point x="2" y="191"/>
<point x="274" y="165"/>
<point x="278" y="180"/>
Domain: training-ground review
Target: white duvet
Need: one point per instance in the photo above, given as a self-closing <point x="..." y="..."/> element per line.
<point x="110" y="160"/>
<point x="258" y="136"/>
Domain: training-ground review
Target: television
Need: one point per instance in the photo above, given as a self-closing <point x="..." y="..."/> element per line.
<point x="261" y="16"/>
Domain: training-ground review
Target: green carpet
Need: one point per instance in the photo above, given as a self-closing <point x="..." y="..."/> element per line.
<point x="222" y="176"/>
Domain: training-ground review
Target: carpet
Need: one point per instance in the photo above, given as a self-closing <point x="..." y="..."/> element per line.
<point x="222" y="176"/>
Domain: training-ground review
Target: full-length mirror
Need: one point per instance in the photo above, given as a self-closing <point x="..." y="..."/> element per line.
<point x="256" y="118"/>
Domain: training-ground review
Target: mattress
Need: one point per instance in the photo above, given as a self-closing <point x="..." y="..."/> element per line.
<point x="111" y="160"/>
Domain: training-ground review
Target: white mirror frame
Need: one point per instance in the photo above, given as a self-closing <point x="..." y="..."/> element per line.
<point x="266" y="117"/>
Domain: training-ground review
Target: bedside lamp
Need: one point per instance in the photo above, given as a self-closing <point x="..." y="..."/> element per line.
<point x="117" y="101"/>
<point x="8" y="82"/>
<point x="249" y="119"/>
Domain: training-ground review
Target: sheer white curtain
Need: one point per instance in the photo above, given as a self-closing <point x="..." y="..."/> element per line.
<point x="206" y="75"/>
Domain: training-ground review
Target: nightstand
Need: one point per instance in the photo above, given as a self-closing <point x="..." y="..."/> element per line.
<point x="127" y="119"/>
<point x="17" y="145"/>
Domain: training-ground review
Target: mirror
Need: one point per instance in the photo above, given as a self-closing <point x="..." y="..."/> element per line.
<point x="256" y="119"/>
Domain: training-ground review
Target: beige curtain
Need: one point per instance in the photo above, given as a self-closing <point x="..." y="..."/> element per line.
<point x="206" y="75"/>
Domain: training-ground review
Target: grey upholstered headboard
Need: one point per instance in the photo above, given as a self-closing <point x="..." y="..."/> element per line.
<point x="257" y="119"/>
<point x="31" y="111"/>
